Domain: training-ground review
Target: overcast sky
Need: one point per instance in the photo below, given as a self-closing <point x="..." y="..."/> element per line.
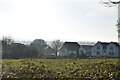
<point x="67" y="20"/>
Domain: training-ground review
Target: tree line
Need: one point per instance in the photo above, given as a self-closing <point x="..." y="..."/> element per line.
<point x="37" y="49"/>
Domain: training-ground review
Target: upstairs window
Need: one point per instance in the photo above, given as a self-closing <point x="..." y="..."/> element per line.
<point x="98" y="47"/>
<point x="104" y="47"/>
<point x="104" y="51"/>
<point x="111" y="48"/>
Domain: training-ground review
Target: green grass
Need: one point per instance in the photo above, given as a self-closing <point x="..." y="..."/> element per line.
<point x="61" y="68"/>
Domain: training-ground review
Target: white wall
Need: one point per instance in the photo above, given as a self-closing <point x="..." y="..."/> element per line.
<point x="81" y="49"/>
<point x="114" y="51"/>
<point x="95" y="50"/>
<point x="64" y="51"/>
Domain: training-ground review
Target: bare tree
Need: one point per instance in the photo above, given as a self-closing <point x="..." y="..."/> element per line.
<point x="111" y="3"/>
<point x="6" y="42"/>
<point x="9" y="40"/>
<point x="56" y="44"/>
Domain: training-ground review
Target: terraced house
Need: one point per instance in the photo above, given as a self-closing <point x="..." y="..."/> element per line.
<point x="111" y="49"/>
<point x="73" y="48"/>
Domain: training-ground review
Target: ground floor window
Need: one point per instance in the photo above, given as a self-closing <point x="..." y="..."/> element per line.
<point x="111" y="53"/>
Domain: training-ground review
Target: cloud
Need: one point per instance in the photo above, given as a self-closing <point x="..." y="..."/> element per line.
<point x="49" y="20"/>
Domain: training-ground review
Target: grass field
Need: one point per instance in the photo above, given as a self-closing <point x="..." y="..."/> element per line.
<point x="61" y="68"/>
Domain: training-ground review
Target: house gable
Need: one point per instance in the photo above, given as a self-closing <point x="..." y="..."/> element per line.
<point x="97" y="49"/>
<point x="106" y="49"/>
<point x="69" y="48"/>
<point x="113" y="49"/>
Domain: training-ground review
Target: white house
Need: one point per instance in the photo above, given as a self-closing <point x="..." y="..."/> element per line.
<point x="73" y="48"/>
<point x="69" y="48"/>
<point x="111" y="49"/>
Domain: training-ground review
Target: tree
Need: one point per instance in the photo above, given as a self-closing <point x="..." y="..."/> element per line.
<point x="7" y="39"/>
<point x="56" y="44"/>
<point x="111" y="3"/>
<point x="38" y="45"/>
<point x="6" y="42"/>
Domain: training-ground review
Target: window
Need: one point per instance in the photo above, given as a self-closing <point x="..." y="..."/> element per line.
<point x="111" y="53"/>
<point x="104" y="47"/>
<point x="104" y="51"/>
<point x="98" y="53"/>
<point x="111" y="48"/>
<point x="98" y="47"/>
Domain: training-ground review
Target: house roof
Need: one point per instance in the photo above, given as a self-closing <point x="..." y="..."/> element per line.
<point x="88" y="48"/>
<point x="87" y="45"/>
<point x="104" y="44"/>
<point x="16" y="44"/>
<point x="49" y="50"/>
<point x="115" y="43"/>
<point x="48" y="47"/>
<point x="71" y="46"/>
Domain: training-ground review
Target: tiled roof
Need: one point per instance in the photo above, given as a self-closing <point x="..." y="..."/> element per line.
<point x="71" y="45"/>
<point x="87" y="47"/>
<point x="106" y="43"/>
<point x="115" y="43"/>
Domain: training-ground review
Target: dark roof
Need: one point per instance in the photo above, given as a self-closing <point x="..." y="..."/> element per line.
<point x="71" y="46"/>
<point x="106" y="43"/>
<point x="115" y="43"/>
<point x="17" y="44"/>
<point x="87" y="46"/>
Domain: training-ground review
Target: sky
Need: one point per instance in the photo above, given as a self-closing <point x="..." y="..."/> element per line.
<point x="67" y="20"/>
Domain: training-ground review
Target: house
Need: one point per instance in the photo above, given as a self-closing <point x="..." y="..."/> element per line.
<point x="111" y="49"/>
<point x="69" y="48"/>
<point x="86" y="49"/>
<point x="49" y="51"/>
